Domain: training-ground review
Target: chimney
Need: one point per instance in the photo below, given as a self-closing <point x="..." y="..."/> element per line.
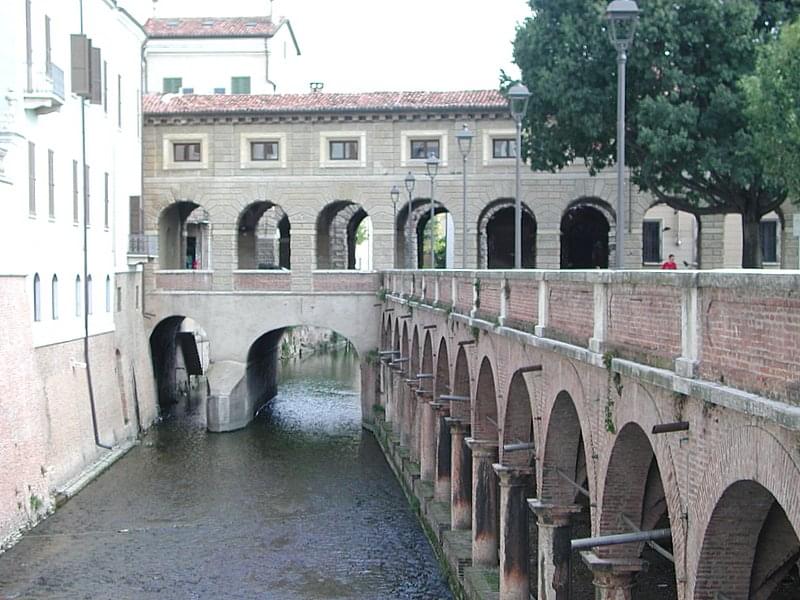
<point x="316" y="86"/>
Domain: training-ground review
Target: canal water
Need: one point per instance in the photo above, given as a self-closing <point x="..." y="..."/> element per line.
<point x="299" y="505"/>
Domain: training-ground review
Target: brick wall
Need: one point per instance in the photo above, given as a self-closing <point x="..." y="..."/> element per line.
<point x="263" y="281"/>
<point x="523" y="302"/>
<point x="489" y="297"/>
<point x="445" y="290"/>
<point x="645" y="322"/>
<point x="572" y="311"/>
<point x="465" y="291"/>
<point x="184" y="280"/>
<point x="346" y="281"/>
<point x="751" y="340"/>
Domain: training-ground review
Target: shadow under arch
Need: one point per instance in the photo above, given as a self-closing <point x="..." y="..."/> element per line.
<point x="587" y="234"/>
<point x="634" y="498"/>
<point x="337" y="228"/>
<point x="263" y="237"/>
<point x="496" y="231"/>
<point x="176" y="355"/>
<point x="484" y="422"/>
<point x="184" y="236"/>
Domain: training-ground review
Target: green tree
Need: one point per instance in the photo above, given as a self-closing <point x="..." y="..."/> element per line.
<point x="774" y="108"/>
<point x="687" y="134"/>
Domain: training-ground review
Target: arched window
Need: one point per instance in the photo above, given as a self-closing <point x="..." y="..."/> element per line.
<point x="54" y="296"/>
<point x="37" y="298"/>
<point x="78" y="296"/>
<point x="108" y="293"/>
<point x="89" y="294"/>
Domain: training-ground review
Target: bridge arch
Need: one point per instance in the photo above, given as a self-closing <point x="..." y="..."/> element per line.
<point x="753" y="493"/>
<point x="184" y="236"/>
<point x="263" y="237"/>
<point x="484" y="421"/>
<point x="518" y="424"/>
<point x="496" y="224"/>
<point x="442" y="380"/>
<point x="344" y="237"/>
<point x="414" y="402"/>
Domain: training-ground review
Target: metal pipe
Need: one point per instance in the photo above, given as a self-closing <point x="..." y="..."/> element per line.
<point x="531" y="369"/>
<point x="430" y="326"/>
<point x="620" y="538"/>
<point x="520" y="446"/>
<point x="454" y="398"/>
<point x="424" y="375"/>
<point x="573" y="483"/>
<point x="467" y="342"/>
<point x="660" y="549"/>
<point x="670" y="427"/>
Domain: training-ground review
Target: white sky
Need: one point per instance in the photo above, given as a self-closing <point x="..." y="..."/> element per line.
<point x="387" y="45"/>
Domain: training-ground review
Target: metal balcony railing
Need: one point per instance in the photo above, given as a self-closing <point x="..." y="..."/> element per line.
<point x="141" y="244"/>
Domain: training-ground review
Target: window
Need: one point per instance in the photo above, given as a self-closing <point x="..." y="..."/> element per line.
<point x="422" y="149"/>
<point x="504" y="148"/>
<point x="51" y="185"/>
<point x="105" y="201"/>
<point x="343" y="149"/>
<point x="78" y="296"/>
<point x="75" y="191"/>
<point x="119" y="298"/>
<point x="37" y="298"/>
<point x="264" y="151"/>
<point x="186" y="152"/>
<point x="172" y="85"/>
<point x="32" y="179"/>
<point x="769" y="241"/>
<point x="651" y="241"/>
<point x="89" y="294"/>
<point x="54" y="296"/>
<point x="108" y="293"/>
<point x="240" y="85"/>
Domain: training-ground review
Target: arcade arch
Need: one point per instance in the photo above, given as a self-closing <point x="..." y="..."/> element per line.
<point x="496" y="227"/>
<point x="263" y="238"/>
<point x="413" y="235"/>
<point x="587" y="234"/>
<point x="184" y="236"/>
<point x="344" y="237"/>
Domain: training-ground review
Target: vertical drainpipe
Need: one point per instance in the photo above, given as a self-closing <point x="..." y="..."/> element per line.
<point x="86" y="269"/>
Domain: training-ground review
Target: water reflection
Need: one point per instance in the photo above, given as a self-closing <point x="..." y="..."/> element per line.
<point x="300" y="505"/>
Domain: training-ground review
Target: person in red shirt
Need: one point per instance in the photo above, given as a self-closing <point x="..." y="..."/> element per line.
<point x="670" y="263"/>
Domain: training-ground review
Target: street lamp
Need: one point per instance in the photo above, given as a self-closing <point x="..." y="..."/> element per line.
<point x="409" y="182"/>
<point x="394" y="194"/>
<point x="518" y="97"/>
<point x="464" y="138"/>
<point x="432" y="167"/>
<point x="622" y="17"/>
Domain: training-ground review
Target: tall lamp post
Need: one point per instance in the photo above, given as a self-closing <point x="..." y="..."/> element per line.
<point x="622" y="17"/>
<point x="409" y="182"/>
<point x="432" y="167"/>
<point x="464" y="138"/>
<point x="394" y="194"/>
<point x="518" y="97"/>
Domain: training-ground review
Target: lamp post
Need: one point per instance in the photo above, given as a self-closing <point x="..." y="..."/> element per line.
<point x="409" y="182"/>
<point x="464" y="138"/>
<point x="622" y="17"/>
<point x="518" y="97"/>
<point x="432" y="167"/>
<point x="394" y="194"/>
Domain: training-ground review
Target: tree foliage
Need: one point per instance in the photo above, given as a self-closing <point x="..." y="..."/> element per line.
<point x="773" y="94"/>
<point x="688" y="138"/>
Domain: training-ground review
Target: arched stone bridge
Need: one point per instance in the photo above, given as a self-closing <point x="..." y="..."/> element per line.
<point x="597" y="403"/>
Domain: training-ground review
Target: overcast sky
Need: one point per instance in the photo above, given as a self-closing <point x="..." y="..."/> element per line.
<point x="387" y="45"/>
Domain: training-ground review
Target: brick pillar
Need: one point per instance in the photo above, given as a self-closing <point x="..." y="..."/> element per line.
<point x="553" y="523"/>
<point x="460" y="475"/>
<point x="514" y="544"/>
<point x="405" y="412"/>
<point x="415" y="402"/>
<point x="484" y="503"/>
<point x="442" y="484"/>
<point x="613" y="578"/>
<point x="427" y="459"/>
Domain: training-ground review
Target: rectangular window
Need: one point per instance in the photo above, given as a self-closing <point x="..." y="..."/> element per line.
<point x="769" y="241"/>
<point x="119" y="298"/>
<point x="186" y="152"/>
<point x="105" y="201"/>
<point x="240" y="85"/>
<point x="105" y="87"/>
<point x="651" y="241"/>
<point x="87" y="210"/>
<point x="264" y="151"/>
<point x="343" y="150"/>
<point x="504" y="148"/>
<point x="32" y="179"/>
<point x="172" y="85"/>
<point x="422" y="149"/>
<point x="48" y="55"/>
<point x="51" y="185"/>
<point x="75" y="191"/>
<point x="119" y="101"/>
<point x="28" y="45"/>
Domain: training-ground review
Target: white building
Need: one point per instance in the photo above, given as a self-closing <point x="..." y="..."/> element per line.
<point x="73" y="344"/>
<point x="220" y="55"/>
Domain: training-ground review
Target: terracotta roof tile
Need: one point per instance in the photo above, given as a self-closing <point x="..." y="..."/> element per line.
<point x="203" y="27"/>
<point x="324" y="102"/>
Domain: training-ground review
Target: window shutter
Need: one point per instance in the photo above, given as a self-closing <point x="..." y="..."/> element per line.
<point x="79" y="67"/>
<point x="136" y="216"/>
<point x="31" y="178"/>
<point x="96" y="68"/>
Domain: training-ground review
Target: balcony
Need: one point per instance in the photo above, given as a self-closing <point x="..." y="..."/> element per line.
<point x="46" y="93"/>
<point x="142" y="248"/>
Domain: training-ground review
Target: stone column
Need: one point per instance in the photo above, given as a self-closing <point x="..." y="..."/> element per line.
<point x="484" y="503"/>
<point x="443" y="452"/>
<point x="460" y="475"/>
<point x="613" y="578"/>
<point x="514" y="544"/>
<point x="427" y="458"/>
<point x="554" y="548"/>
